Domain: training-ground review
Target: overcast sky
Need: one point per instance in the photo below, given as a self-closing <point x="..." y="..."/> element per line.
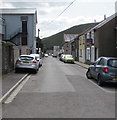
<point x="80" y="12"/>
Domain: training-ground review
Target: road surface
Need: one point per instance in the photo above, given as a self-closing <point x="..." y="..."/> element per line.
<point x="61" y="90"/>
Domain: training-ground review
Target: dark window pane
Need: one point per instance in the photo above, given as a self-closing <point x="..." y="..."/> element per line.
<point x="24" y="26"/>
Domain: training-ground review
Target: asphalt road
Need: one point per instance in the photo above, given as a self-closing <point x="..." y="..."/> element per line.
<point x="61" y="90"/>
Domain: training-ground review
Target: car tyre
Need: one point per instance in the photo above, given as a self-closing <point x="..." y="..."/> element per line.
<point x="16" y="70"/>
<point x="35" y="71"/>
<point x="99" y="81"/>
<point x="88" y="74"/>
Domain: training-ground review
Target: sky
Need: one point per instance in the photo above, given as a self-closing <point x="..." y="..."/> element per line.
<point x="57" y="15"/>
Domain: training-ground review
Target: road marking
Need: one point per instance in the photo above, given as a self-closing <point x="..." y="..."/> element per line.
<point x="102" y="87"/>
<point x="16" y="91"/>
<point x="12" y="89"/>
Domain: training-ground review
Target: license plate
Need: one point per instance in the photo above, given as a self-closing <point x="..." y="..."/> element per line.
<point x="115" y="79"/>
<point x="25" y="62"/>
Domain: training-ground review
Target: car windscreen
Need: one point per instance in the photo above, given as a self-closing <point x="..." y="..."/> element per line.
<point x="112" y="63"/>
<point x="26" y="58"/>
<point x="69" y="56"/>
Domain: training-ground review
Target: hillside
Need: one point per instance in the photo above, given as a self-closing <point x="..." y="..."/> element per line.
<point x="58" y="39"/>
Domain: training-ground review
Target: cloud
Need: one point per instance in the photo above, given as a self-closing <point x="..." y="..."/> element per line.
<point x="41" y="1"/>
<point x="7" y="5"/>
<point x="43" y="8"/>
<point x="82" y="11"/>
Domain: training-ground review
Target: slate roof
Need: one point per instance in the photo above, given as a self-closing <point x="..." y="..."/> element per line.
<point x="102" y="23"/>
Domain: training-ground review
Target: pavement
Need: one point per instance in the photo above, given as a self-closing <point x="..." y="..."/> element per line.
<point x="9" y="80"/>
<point x="86" y="66"/>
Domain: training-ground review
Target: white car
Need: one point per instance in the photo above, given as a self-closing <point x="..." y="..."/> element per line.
<point x="62" y="57"/>
<point x="46" y="55"/>
<point x="38" y="57"/>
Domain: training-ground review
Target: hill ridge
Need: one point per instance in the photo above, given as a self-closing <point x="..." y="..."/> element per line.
<point x="58" y="38"/>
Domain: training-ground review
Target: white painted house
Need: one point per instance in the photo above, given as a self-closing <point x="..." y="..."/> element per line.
<point x="21" y="28"/>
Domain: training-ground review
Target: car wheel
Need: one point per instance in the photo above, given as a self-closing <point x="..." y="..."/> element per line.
<point x="16" y="70"/>
<point x="35" y="71"/>
<point x="100" y="81"/>
<point x="88" y="74"/>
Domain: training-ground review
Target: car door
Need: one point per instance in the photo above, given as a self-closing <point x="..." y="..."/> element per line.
<point x="94" y="68"/>
<point x="99" y="67"/>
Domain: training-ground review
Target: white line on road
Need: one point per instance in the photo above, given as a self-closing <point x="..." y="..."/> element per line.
<point x="11" y="90"/>
<point x="16" y="91"/>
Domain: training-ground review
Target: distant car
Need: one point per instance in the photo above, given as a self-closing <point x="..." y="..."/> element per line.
<point x="68" y="58"/>
<point x="38" y="58"/>
<point x="103" y="70"/>
<point x="55" y="55"/>
<point x="26" y="62"/>
<point x="46" y="55"/>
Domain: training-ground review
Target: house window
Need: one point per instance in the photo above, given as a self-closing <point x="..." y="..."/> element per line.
<point x="24" y="26"/>
<point x="80" y="52"/>
<point x="92" y="36"/>
<point x="88" y="53"/>
<point x="80" y="42"/>
<point x="88" y="35"/>
<point x="24" y="31"/>
<point x="92" y="53"/>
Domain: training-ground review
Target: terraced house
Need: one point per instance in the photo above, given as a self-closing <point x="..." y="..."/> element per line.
<point x="102" y="39"/>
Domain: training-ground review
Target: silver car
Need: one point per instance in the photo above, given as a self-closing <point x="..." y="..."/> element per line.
<point x="38" y="58"/>
<point x="26" y="62"/>
<point x="103" y="70"/>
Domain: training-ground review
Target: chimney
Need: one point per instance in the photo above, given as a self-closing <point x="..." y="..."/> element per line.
<point x="94" y="21"/>
<point x="38" y="32"/>
<point x="104" y="17"/>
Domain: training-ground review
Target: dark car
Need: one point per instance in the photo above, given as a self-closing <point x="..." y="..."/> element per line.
<point x="103" y="70"/>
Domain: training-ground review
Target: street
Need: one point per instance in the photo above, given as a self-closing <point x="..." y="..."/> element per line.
<point x="61" y="90"/>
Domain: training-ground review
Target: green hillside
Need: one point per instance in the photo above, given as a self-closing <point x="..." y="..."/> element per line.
<point x="58" y="39"/>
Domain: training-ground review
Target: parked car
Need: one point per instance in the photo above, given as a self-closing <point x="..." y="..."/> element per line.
<point x="38" y="58"/>
<point x="62" y="57"/>
<point x="26" y="62"/>
<point x="68" y="58"/>
<point x="103" y="70"/>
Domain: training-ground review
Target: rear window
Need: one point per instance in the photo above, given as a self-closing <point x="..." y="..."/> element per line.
<point x="26" y="58"/>
<point x="112" y="63"/>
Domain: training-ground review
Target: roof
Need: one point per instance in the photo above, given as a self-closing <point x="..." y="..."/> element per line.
<point x="18" y="11"/>
<point x="100" y="24"/>
<point x="104" y="22"/>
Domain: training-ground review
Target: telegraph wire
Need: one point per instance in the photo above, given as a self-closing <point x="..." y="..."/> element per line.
<point x="62" y="11"/>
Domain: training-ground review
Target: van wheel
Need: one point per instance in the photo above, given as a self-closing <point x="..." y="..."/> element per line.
<point x="100" y="81"/>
